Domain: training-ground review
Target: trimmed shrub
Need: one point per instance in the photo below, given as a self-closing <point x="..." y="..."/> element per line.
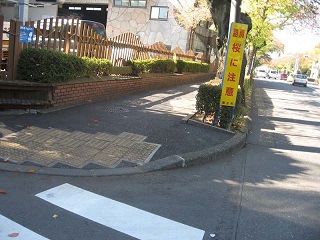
<point x="196" y="67"/>
<point x="98" y="66"/>
<point x="181" y="66"/>
<point x="125" y="70"/>
<point x="166" y="66"/>
<point x="208" y="99"/>
<point x="78" y="67"/>
<point x="138" y="66"/>
<point x="47" y="66"/>
<point x="208" y="102"/>
<point x="152" y="66"/>
<point x="162" y="66"/>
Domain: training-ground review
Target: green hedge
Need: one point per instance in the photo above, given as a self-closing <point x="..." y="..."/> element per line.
<point x="47" y="66"/>
<point x="98" y="66"/>
<point x="208" y="102"/>
<point x="152" y="66"/>
<point x="166" y="66"/>
<point x="196" y="67"/>
<point x="124" y="70"/>
<point x="181" y="66"/>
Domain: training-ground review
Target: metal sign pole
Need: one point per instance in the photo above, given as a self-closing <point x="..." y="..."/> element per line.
<point x="23" y="10"/>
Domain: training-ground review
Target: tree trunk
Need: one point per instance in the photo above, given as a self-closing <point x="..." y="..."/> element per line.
<point x="242" y="75"/>
<point x="221" y="58"/>
<point x="190" y="39"/>
<point x="251" y="57"/>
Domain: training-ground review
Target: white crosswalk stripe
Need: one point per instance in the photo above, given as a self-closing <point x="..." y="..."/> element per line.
<point x="9" y="228"/>
<point x="119" y="216"/>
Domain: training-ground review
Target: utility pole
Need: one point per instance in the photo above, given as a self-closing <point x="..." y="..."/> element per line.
<point x="23" y="10"/>
<point x="233" y="12"/>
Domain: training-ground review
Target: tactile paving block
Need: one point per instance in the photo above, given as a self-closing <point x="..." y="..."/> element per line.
<point x="81" y="136"/>
<point x="105" y="136"/>
<point x="14" y="152"/>
<point x="84" y="151"/>
<point x="71" y="142"/>
<point x="141" y="151"/>
<point x="97" y="143"/>
<point x="49" y="147"/>
<point x="133" y="137"/>
<point x="105" y="159"/>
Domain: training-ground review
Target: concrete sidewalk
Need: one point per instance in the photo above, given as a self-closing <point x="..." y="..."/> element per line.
<point x="140" y="133"/>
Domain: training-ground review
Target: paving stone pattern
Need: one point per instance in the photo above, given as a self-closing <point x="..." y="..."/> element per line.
<point x="55" y="147"/>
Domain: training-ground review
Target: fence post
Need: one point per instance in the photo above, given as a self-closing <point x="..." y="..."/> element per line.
<point x="14" y="49"/>
<point x="2" y="77"/>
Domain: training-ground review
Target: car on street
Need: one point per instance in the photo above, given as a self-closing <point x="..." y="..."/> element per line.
<point x="283" y="76"/>
<point x="273" y="74"/>
<point x="261" y="73"/>
<point x="300" y="79"/>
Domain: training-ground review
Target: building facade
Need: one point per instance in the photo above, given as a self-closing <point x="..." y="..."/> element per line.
<point x="149" y="20"/>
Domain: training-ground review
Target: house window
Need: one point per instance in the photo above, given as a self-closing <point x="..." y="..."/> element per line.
<point x="75" y="8"/>
<point x="93" y="9"/>
<point x="159" y="13"/>
<point x="130" y="3"/>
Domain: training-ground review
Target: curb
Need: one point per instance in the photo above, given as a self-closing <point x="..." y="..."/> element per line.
<point x="171" y="162"/>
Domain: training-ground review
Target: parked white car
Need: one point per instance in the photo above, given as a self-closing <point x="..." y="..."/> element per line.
<point x="300" y="79"/>
<point x="261" y="73"/>
<point x="273" y="74"/>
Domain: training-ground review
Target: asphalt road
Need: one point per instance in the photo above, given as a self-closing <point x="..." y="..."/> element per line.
<point x="280" y="198"/>
<point x="268" y="190"/>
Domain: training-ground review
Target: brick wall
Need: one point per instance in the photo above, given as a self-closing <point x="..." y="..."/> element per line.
<point x="70" y="94"/>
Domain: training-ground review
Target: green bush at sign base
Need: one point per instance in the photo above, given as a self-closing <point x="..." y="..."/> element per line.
<point x="208" y="102"/>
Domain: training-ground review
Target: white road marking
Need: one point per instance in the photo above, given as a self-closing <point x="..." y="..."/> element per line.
<point x="119" y="216"/>
<point x="8" y="227"/>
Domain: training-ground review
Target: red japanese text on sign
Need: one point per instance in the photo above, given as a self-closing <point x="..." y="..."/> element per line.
<point x="236" y="47"/>
<point x="229" y="91"/>
<point x="233" y="62"/>
<point x="231" y="77"/>
<point x="238" y="33"/>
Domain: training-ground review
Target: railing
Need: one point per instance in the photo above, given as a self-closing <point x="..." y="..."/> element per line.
<point x="72" y="36"/>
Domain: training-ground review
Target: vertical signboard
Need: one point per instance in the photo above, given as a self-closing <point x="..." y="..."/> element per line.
<point x="233" y="64"/>
<point x="26" y="34"/>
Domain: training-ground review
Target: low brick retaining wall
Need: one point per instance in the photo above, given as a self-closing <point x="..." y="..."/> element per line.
<point x="69" y="94"/>
<point x="28" y="95"/>
<point x="23" y="94"/>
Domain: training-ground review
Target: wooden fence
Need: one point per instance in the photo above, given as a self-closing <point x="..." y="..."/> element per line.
<point x="72" y="36"/>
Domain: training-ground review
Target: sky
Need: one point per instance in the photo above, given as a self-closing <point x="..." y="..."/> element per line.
<point x="297" y="42"/>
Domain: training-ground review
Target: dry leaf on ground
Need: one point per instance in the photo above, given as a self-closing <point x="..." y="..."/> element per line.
<point x="13" y="235"/>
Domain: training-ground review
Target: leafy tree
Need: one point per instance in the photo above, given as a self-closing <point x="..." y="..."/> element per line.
<point x="189" y="14"/>
<point x="306" y="60"/>
<point x="269" y="15"/>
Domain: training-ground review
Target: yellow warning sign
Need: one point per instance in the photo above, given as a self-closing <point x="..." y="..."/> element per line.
<point x="237" y="37"/>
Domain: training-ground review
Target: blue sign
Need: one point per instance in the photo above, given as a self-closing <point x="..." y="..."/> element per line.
<point x="26" y="34"/>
